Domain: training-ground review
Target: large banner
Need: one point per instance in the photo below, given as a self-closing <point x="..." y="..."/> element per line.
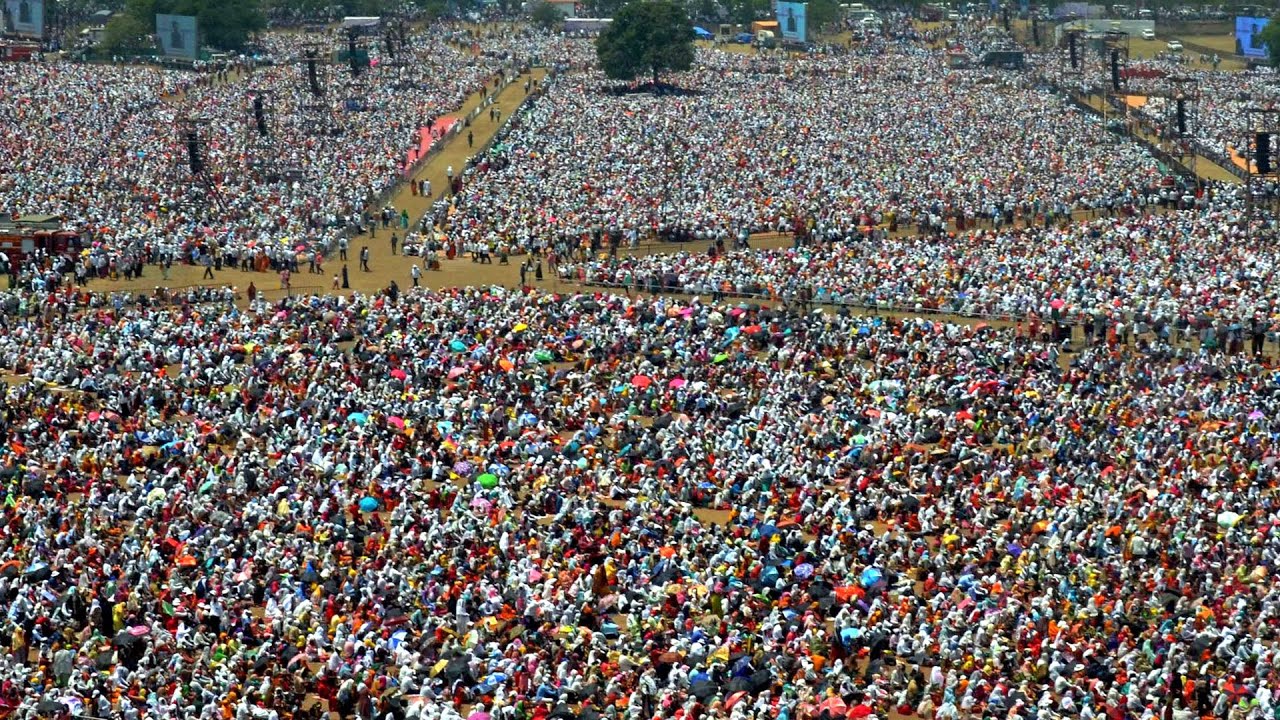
<point x="791" y="20"/>
<point x="26" y="17"/>
<point x="176" y="35"/>
<point x="1247" y="30"/>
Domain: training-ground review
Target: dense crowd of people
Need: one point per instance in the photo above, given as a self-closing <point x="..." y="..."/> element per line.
<point x="692" y="496"/>
<point x="527" y="505"/>
<point x="1166" y="268"/>
<point x="111" y="157"/>
<point x="849" y="140"/>
<point x="1218" y="118"/>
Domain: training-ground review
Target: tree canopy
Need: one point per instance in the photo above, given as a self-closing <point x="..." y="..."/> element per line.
<point x="545" y="15"/>
<point x="223" y="24"/>
<point x="647" y="37"/>
<point x="1270" y="36"/>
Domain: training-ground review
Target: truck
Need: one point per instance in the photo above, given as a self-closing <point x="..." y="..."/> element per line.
<point x="21" y="236"/>
<point x="18" y="51"/>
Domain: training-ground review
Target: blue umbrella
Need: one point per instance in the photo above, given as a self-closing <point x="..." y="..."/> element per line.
<point x="702" y="33"/>
<point x="870" y="577"/>
<point x="768" y="530"/>
<point x="457" y="346"/>
<point x="803" y="570"/>
<point x="397" y="637"/>
<point x="368" y="504"/>
<point x="358" y="418"/>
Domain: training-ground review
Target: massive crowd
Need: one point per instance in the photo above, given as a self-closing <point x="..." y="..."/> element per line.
<point x="848" y="140"/>
<point x="110" y="157"/>
<point x="527" y="505"/>
<point x="1169" y="269"/>
<point x="509" y="504"/>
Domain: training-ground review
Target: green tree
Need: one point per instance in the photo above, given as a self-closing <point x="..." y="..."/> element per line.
<point x="744" y="12"/>
<point x="646" y="37"/>
<point x="125" y="32"/>
<point x="545" y="15"/>
<point x="706" y="10"/>
<point x="821" y="14"/>
<point x="227" y="24"/>
<point x="223" y="24"/>
<point x="1270" y="36"/>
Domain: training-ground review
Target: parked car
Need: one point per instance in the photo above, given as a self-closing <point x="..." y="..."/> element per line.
<point x="1148" y="34"/>
<point x="1174" y="46"/>
<point x="744" y="38"/>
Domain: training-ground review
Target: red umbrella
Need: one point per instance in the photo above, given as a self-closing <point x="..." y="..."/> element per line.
<point x="833" y="705"/>
<point x="641" y="381"/>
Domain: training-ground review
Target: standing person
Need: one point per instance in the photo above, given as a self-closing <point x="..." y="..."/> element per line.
<point x="251" y="292"/>
<point x="342" y="249"/>
<point x="346" y="284"/>
<point x="524" y="272"/>
<point x="207" y="260"/>
<point x="364" y="258"/>
<point x="471" y="140"/>
<point x="394" y="242"/>
<point x="284" y="279"/>
<point x="415" y="272"/>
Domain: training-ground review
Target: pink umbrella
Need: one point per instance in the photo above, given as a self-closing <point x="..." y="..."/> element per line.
<point x="1057" y="303"/>
<point x="396" y="421"/>
<point x="457" y="371"/>
<point x="399" y="374"/>
<point x="676" y="383"/>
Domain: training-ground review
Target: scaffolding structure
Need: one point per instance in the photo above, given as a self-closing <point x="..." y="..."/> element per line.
<point x="1180" y="119"/>
<point x="1113" y="55"/>
<point x="193" y="131"/>
<point x="1260" y="162"/>
<point x="316" y="112"/>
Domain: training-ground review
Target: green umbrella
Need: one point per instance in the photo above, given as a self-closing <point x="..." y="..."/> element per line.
<point x="543" y="355"/>
<point x="488" y="481"/>
<point x="719" y="358"/>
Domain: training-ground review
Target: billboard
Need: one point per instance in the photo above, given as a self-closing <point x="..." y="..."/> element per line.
<point x="791" y="17"/>
<point x="176" y="36"/>
<point x="26" y="17"/>
<point x="1247" y="30"/>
